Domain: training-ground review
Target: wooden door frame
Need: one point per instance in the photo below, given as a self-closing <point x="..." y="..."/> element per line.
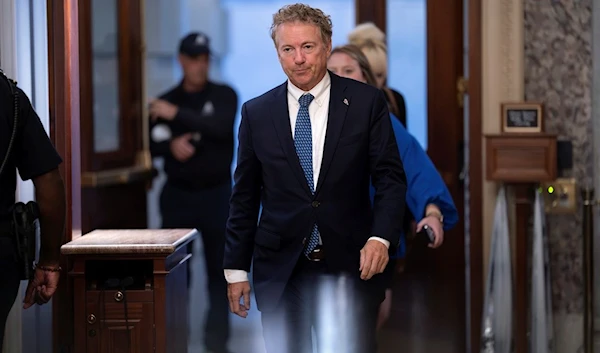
<point x="129" y="90"/>
<point x="371" y="11"/>
<point x="376" y="11"/>
<point x="475" y="173"/>
<point x="63" y="79"/>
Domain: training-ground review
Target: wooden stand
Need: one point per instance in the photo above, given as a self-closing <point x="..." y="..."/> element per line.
<point x="522" y="161"/>
<point x="130" y="290"/>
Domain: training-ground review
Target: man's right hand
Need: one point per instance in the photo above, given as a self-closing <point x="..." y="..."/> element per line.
<point x="181" y="148"/>
<point x="235" y="293"/>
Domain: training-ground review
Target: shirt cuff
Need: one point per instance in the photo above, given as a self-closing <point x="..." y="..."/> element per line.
<point x="385" y="242"/>
<point x="235" y="276"/>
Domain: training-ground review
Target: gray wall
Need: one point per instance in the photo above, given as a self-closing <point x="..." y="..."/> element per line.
<point x="596" y="164"/>
<point x="558" y="72"/>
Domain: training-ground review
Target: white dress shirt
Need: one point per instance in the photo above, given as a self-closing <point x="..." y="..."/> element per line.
<point x="319" y="114"/>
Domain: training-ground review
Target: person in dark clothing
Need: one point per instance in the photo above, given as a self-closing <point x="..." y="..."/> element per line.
<point x="396" y="103"/>
<point x="192" y="128"/>
<point x="25" y="147"/>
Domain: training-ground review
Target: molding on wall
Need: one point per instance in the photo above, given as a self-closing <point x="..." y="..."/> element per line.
<point x="596" y="156"/>
<point x="502" y="80"/>
<point x="511" y="37"/>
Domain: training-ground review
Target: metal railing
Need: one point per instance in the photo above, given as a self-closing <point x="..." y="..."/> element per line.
<point x="587" y="196"/>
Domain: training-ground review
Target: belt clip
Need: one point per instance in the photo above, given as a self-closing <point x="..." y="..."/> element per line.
<point x="315" y="251"/>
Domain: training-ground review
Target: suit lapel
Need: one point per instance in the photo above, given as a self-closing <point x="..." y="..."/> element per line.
<point x="281" y="120"/>
<point x="338" y="107"/>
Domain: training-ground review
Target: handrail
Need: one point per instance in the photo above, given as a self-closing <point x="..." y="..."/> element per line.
<point x="116" y="176"/>
<point x="587" y="196"/>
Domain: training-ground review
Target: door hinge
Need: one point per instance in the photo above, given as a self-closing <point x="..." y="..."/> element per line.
<point x="462" y="88"/>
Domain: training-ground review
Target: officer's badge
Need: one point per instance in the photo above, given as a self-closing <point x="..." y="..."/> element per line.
<point x="208" y="109"/>
<point x="200" y="40"/>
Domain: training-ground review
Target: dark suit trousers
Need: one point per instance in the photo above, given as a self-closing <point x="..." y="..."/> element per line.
<point x="207" y="211"/>
<point x="321" y="310"/>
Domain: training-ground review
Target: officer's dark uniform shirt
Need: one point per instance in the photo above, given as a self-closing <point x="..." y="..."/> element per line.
<point x="209" y="115"/>
<point x="32" y="153"/>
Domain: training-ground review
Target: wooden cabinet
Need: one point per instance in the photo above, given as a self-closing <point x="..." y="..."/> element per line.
<point x="521" y="158"/>
<point x="108" y="331"/>
<point x="130" y="290"/>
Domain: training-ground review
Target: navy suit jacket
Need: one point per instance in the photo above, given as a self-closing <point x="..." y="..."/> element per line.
<point x="359" y="147"/>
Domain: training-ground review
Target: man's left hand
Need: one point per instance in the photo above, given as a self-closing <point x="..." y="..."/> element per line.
<point x="160" y="108"/>
<point x="373" y="259"/>
<point x="436" y="226"/>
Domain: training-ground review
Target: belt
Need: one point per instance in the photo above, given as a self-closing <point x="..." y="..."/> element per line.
<point x="317" y="254"/>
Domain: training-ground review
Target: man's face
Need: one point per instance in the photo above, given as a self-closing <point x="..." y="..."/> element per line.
<point x="302" y="53"/>
<point x="195" y="69"/>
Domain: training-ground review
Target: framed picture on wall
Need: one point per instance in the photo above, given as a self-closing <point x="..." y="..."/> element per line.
<point x="522" y="117"/>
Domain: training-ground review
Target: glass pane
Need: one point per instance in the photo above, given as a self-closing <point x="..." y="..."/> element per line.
<point x="407" y="55"/>
<point x="250" y="44"/>
<point x="105" y="71"/>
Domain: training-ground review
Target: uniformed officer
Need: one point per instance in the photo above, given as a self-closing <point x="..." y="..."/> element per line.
<point x="192" y="128"/>
<point x="32" y="154"/>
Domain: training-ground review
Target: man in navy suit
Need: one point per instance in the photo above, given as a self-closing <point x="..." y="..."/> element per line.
<point x="308" y="151"/>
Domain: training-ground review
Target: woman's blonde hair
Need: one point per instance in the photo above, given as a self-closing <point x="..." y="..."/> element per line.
<point x="365" y="31"/>
<point x="363" y="63"/>
<point x="371" y="41"/>
<point x="304" y="14"/>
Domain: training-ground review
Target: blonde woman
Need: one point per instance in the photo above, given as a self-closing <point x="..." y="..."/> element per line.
<point x="427" y="197"/>
<point x="371" y="41"/>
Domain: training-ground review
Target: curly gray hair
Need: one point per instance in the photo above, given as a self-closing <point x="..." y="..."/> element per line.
<point x="305" y="14"/>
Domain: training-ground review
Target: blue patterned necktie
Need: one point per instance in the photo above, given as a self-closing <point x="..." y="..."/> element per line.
<point x="303" y="144"/>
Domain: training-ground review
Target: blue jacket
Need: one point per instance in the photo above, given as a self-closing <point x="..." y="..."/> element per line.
<point x="424" y="183"/>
